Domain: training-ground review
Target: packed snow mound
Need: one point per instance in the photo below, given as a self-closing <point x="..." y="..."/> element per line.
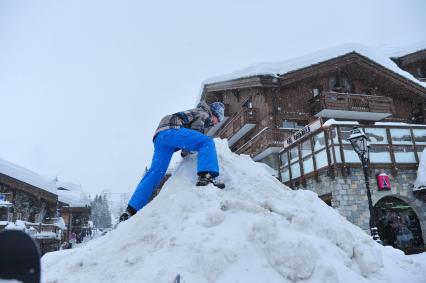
<point x="255" y="230"/>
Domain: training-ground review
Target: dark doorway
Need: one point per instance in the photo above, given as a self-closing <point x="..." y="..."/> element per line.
<point x="398" y="225"/>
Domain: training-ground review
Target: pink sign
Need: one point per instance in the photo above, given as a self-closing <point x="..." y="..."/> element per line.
<point x="383" y="182"/>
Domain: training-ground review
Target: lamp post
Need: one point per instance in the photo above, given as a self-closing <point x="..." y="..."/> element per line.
<point x="359" y="143"/>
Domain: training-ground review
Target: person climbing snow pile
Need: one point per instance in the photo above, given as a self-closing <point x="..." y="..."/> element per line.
<point x="183" y="131"/>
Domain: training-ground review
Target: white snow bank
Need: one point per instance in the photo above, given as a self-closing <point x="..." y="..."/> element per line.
<point x="420" y="182"/>
<point x="256" y="230"/>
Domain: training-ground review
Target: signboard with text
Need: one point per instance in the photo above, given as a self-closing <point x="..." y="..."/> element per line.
<point x="303" y="132"/>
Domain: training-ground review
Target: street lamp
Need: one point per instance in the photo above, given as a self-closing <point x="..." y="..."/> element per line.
<point x="359" y="142"/>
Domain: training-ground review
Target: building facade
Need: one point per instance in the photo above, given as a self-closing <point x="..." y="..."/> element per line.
<point x="296" y="117"/>
<point x="33" y="204"/>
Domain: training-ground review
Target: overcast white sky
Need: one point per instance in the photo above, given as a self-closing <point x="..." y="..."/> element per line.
<point x="84" y="83"/>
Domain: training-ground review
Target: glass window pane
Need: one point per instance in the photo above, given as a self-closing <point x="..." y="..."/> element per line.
<point x="401" y="136"/>
<point x="333" y="135"/>
<point x="404" y="154"/>
<point x="305" y="148"/>
<point x="376" y="135"/>
<point x="319" y="141"/>
<point x="285" y="176"/>
<point x="308" y="165"/>
<point x="380" y="154"/>
<point x="321" y="159"/>
<point x="294" y="154"/>
<point x="420" y="136"/>
<point x="345" y="132"/>
<point x="295" y="170"/>
<point x="284" y="158"/>
<point x="337" y="152"/>
<point x="350" y="154"/>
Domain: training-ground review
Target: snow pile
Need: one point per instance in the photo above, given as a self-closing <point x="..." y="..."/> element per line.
<point x="256" y="230"/>
<point x="18" y="225"/>
<point x="420" y="182"/>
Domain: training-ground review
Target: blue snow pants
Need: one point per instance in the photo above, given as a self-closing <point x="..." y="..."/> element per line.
<point x="165" y="144"/>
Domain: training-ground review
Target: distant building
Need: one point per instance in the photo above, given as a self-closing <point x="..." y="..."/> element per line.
<point x="30" y="202"/>
<point x="277" y="114"/>
<point x="74" y="206"/>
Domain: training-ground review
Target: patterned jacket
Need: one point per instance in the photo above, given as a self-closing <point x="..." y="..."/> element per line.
<point x="198" y="119"/>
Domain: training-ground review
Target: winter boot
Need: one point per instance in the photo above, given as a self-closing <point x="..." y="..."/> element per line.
<point x="206" y="178"/>
<point x="130" y="211"/>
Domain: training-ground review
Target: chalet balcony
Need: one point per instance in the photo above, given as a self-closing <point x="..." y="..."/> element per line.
<point x="266" y="142"/>
<point x="351" y="106"/>
<point x="239" y="125"/>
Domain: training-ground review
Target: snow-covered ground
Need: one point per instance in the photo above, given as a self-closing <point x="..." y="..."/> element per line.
<point x="256" y="230"/>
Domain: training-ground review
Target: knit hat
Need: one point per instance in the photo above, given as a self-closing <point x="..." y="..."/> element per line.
<point x="218" y="109"/>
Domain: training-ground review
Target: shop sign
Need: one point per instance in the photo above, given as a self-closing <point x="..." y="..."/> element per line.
<point x="303" y="132"/>
<point x="383" y="182"/>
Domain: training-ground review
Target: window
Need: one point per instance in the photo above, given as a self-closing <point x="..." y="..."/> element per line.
<point x="321" y="159"/>
<point x="376" y="135"/>
<point x="420" y="136"/>
<point x="350" y="154"/>
<point x="316" y="91"/>
<point x="305" y="148"/>
<point x="337" y="153"/>
<point x="319" y="141"/>
<point x="294" y="154"/>
<point x="285" y="176"/>
<point x="379" y="154"/>
<point x="345" y="133"/>
<point x="308" y="165"/>
<point x="295" y="170"/>
<point x="287" y="124"/>
<point x="284" y="159"/>
<point x="401" y="136"/>
<point x="333" y="135"/>
<point x="404" y="154"/>
<point x="340" y="84"/>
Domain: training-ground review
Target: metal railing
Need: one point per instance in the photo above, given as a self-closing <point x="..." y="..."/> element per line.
<point x="263" y="140"/>
<point x="241" y="118"/>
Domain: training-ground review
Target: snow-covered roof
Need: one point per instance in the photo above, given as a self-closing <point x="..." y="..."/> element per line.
<point x="400" y="51"/>
<point x="27" y="176"/>
<point x="71" y="194"/>
<point x="283" y="67"/>
<point x="330" y="122"/>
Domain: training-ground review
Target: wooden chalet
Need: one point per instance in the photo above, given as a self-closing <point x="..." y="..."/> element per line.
<point x="296" y="116"/>
<point x="414" y="63"/>
<point x="34" y="204"/>
<point x="74" y="211"/>
<point x="264" y="110"/>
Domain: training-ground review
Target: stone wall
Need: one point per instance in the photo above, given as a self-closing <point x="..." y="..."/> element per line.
<point x="350" y="199"/>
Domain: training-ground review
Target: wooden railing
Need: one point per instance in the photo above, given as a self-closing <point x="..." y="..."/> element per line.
<point x="241" y="118"/>
<point x="263" y="140"/>
<point x="351" y="102"/>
